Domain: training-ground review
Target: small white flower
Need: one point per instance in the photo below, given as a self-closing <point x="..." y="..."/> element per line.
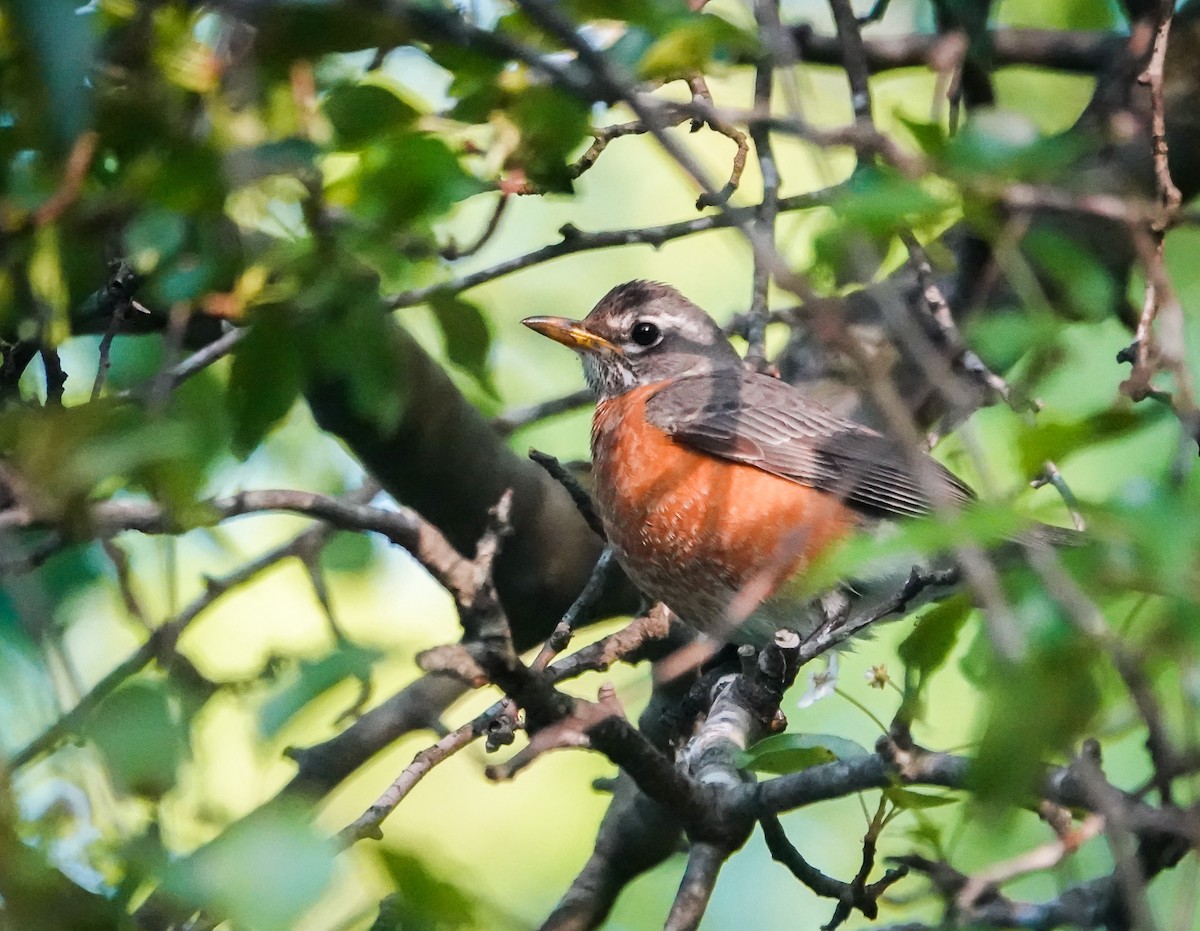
<point x="820" y="683"/>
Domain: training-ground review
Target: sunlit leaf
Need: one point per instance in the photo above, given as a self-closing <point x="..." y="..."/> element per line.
<point x="692" y="45"/>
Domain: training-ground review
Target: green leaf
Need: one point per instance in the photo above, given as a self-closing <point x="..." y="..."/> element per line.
<point x="136" y="731"/>
<point x="1074" y="273"/>
<point x="262" y="872"/>
<point x="691" y="46"/>
<point x="404" y="179"/>
<point x="1038" y="708"/>
<point x="552" y="124"/>
<point x="466" y="335"/>
<point x="423" y="900"/>
<point x="353" y="341"/>
<point x="68" y="454"/>
<point x="361" y="113"/>
<point x="347" y="551"/>
<point x="928" y="646"/>
<point x="311" y="679"/>
<point x="1055" y="440"/>
<point x="475" y="85"/>
<point x="155" y="235"/>
<point x="266" y="378"/>
<point x="916" y="801"/>
<point x="789" y="753"/>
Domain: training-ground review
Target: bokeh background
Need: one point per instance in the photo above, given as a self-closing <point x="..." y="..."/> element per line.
<point x="463" y="851"/>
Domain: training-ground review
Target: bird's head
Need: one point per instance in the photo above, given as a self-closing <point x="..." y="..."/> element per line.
<point x="641" y="332"/>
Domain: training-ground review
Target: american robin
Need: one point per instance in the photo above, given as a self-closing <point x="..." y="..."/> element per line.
<point x="718" y="485"/>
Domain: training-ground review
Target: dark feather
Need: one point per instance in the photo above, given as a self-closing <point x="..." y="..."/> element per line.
<point x="766" y="423"/>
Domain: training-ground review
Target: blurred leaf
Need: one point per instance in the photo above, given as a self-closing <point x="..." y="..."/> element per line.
<point x="48" y="283"/>
<point x="361" y="113"/>
<point x="154" y="235"/>
<point x="404" y="178"/>
<point x="552" y="123"/>
<point x="137" y="733"/>
<point x="311" y="679"/>
<point x="1075" y="273"/>
<point x="931" y="137"/>
<point x="292" y="156"/>
<point x="262" y="872"/>
<point x="653" y="15"/>
<point x="351" y="341"/>
<point x="68" y="454"/>
<point x="62" y="44"/>
<point x="475" y="81"/>
<point x="1048" y="439"/>
<point x="266" y="378"/>
<point x="1001" y="338"/>
<point x="423" y="901"/>
<point x="789" y="753"/>
<point x="348" y="551"/>
<point x="305" y="31"/>
<point x="467" y="337"/>
<point x="1039" y="708"/>
<point x="692" y="45"/>
<point x="866" y="556"/>
<point x="936" y="631"/>
<point x="1008" y="144"/>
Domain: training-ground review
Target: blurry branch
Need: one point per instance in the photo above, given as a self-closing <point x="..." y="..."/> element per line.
<point x="447" y="462"/>
<point x="79" y="161"/>
<point x="452" y="251"/>
<point x="579" y="495"/>
<point x="575" y="241"/>
<point x="766" y="14"/>
<point x="515" y="418"/>
<point x="1059" y="50"/>
<point x="160" y="645"/>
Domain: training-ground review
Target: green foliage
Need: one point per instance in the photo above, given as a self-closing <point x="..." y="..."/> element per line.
<point x="309" y="680"/>
<point x="73" y="453"/>
<point x="334" y="330"/>
<point x="552" y="124"/>
<point x="789" y="753"/>
<point x="263" y="872"/>
<point x="283" y="175"/>
<point x="467" y="337"/>
<point x="139" y="735"/>
<point x="927" y="648"/>
<point x="692" y="45"/>
<point x="424" y="902"/>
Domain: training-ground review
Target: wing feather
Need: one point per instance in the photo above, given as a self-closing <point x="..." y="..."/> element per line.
<point x="766" y="423"/>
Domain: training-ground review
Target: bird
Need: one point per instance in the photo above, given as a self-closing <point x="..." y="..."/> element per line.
<point x="719" y="486"/>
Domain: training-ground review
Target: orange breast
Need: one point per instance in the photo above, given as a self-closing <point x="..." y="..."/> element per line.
<point x="694" y="530"/>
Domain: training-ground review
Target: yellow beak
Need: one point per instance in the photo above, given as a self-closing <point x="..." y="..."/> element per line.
<point x="570" y="333"/>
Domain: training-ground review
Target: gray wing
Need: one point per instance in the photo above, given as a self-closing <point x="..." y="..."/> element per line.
<point x="766" y="423"/>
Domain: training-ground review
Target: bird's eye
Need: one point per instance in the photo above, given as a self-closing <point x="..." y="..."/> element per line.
<point x="645" y="333"/>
